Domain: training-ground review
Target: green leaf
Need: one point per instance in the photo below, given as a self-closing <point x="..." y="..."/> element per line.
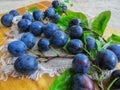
<point x="114" y="39"/>
<point x="31" y="10"/>
<point x="63" y="82"/>
<point x="79" y="15"/>
<point x="65" y="46"/>
<point x="59" y="11"/>
<point x="67" y="1"/>
<point x="93" y="54"/>
<point x="99" y="45"/>
<point x="106" y="45"/>
<point x="86" y="33"/>
<point x="101" y="21"/>
<point x="63" y="23"/>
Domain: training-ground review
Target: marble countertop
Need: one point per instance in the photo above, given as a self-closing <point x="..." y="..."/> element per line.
<point x="89" y="7"/>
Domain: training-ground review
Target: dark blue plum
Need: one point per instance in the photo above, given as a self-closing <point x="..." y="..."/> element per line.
<point x="90" y="43"/>
<point x="17" y="48"/>
<point x="37" y="14"/>
<point x="55" y="18"/>
<point x="75" y="21"/>
<point x="26" y="64"/>
<point x="44" y="44"/>
<point x="116" y="74"/>
<point x="55" y="4"/>
<point x="6" y="20"/>
<point x="14" y="13"/>
<point x="64" y="8"/>
<point x="75" y="46"/>
<point x="76" y="32"/>
<point x="59" y="38"/>
<point x="36" y="28"/>
<point x="49" y="29"/>
<point x="106" y="59"/>
<point x="116" y="49"/>
<point x="83" y="82"/>
<point x="28" y="16"/>
<point x="29" y="39"/>
<point x="24" y="25"/>
<point x="81" y="63"/>
<point x="50" y="12"/>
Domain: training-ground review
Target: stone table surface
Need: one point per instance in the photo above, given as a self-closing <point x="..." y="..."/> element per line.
<point x="90" y="7"/>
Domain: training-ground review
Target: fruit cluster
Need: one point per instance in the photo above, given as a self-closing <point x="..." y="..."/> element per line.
<point x="33" y="26"/>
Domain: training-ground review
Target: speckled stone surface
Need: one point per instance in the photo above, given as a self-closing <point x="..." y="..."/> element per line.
<point x="89" y="7"/>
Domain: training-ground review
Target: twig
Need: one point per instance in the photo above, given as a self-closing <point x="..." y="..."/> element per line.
<point x="100" y="85"/>
<point x="95" y="33"/>
<point x="51" y="57"/>
<point x="57" y="56"/>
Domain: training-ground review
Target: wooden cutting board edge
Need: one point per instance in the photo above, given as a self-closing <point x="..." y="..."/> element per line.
<point x="45" y="81"/>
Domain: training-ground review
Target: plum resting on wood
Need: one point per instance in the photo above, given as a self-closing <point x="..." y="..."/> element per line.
<point x="26" y="64"/>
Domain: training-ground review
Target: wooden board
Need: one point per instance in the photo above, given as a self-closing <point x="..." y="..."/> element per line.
<point x="26" y="84"/>
<point x="45" y="81"/>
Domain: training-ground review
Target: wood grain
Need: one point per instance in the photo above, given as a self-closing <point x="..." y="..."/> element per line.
<point x="45" y="81"/>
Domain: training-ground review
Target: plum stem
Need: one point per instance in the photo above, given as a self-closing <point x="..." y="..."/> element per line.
<point x="87" y="51"/>
<point x="97" y="67"/>
<point x="57" y="56"/>
<point x="54" y="50"/>
<point x="100" y="85"/>
<point x="50" y="57"/>
<point x="111" y="84"/>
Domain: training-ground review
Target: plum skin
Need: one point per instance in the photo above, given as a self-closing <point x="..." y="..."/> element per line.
<point x="49" y="12"/>
<point x="116" y="49"/>
<point x="106" y="59"/>
<point x="116" y="74"/>
<point x="43" y="44"/>
<point x="6" y="20"/>
<point x="36" y="28"/>
<point x="26" y="64"/>
<point x="76" y="32"/>
<point x="14" y="13"/>
<point x="55" y="4"/>
<point x="75" y="21"/>
<point x="82" y="82"/>
<point x="55" y="18"/>
<point x="64" y="8"/>
<point x="29" y="39"/>
<point x="81" y="64"/>
<point x="24" y="25"/>
<point x="59" y="38"/>
<point x="49" y="29"/>
<point x="37" y="14"/>
<point x="28" y="16"/>
<point x="17" y="48"/>
<point x="90" y="43"/>
<point x="75" y="46"/>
